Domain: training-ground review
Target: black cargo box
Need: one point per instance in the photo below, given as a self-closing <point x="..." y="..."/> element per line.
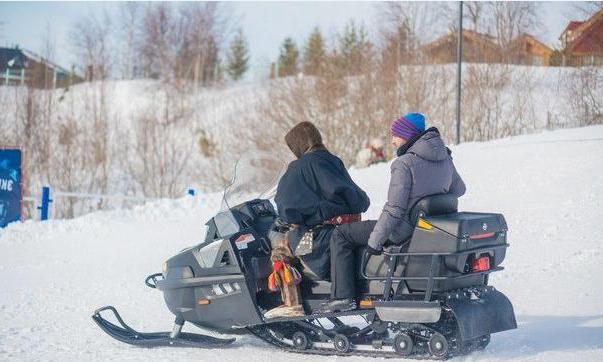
<point x="453" y="233"/>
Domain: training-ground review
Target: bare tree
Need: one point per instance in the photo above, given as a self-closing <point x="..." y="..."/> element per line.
<point x="161" y="149"/>
<point x="584" y="90"/>
<point x="512" y="19"/>
<point x="417" y="19"/>
<point x="130" y="15"/>
<point x="476" y="13"/>
<point x="587" y="8"/>
<point x="184" y="44"/>
<point x="90" y="38"/>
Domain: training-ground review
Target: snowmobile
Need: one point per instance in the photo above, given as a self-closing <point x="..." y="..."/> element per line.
<point x="426" y="298"/>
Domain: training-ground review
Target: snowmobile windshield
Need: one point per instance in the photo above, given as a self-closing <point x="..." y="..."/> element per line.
<point x="255" y="176"/>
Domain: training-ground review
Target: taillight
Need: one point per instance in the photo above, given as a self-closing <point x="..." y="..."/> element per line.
<point x="481" y="264"/>
<point x="482" y="236"/>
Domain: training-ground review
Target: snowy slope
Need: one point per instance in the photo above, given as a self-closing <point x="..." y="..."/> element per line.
<point x="549" y="186"/>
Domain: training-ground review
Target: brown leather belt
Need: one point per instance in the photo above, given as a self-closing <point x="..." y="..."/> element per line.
<point x="343" y="219"/>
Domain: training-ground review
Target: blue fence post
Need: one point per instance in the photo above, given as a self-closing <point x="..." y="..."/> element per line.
<point x="45" y="203"/>
<point x="191" y="192"/>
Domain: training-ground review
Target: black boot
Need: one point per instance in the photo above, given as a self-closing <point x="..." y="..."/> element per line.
<point x="338" y="305"/>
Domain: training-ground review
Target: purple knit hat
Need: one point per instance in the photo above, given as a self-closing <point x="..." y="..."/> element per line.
<point x="404" y="128"/>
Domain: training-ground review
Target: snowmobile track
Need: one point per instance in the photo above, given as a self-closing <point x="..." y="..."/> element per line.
<point x="264" y="334"/>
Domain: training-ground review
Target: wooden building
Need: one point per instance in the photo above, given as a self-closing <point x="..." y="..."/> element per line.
<point x="483" y="48"/>
<point x="477" y="48"/>
<point x="582" y="41"/>
<point x="526" y="49"/>
<point x="22" y="67"/>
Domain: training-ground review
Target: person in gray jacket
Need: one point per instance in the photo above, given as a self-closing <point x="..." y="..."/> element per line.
<point x="423" y="167"/>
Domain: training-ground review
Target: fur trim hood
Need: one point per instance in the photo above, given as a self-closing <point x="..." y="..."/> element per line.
<point x="303" y="138"/>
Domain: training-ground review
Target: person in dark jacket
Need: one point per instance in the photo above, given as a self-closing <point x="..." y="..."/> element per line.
<point x="423" y="167"/>
<point x="315" y="194"/>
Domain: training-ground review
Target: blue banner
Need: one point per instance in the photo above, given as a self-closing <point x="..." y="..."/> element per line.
<point x="11" y="195"/>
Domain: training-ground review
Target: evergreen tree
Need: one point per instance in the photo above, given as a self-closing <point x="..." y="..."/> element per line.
<point x="238" y="57"/>
<point x="354" y="47"/>
<point x="314" y="53"/>
<point x="287" y="60"/>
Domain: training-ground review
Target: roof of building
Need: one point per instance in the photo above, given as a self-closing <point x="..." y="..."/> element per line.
<point x="532" y="40"/>
<point x="485" y="39"/>
<point x="17" y="58"/>
<point x="12" y="58"/>
<point x="590" y="40"/>
<point x="573" y="25"/>
<point x="590" y="35"/>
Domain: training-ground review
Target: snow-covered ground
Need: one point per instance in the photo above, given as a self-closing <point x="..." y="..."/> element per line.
<point x="549" y="186"/>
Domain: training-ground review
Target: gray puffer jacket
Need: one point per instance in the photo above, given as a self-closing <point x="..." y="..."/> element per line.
<point x="426" y="168"/>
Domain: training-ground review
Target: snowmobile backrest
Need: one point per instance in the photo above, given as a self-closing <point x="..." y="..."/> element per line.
<point x="433" y="205"/>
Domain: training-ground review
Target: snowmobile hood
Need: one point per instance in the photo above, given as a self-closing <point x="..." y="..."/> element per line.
<point x="430" y="146"/>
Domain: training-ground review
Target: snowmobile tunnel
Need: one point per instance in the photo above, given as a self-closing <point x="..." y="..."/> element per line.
<point x="408" y="311"/>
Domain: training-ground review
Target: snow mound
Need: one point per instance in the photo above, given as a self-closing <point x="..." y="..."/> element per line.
<point x="549" y="186"/>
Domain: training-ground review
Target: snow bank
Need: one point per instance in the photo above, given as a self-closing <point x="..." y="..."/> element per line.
<point x="549" y="186"/>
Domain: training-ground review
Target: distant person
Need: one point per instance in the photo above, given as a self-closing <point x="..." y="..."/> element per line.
<point x="315" y="194"/>
<point x="372" y="153"/>
<point x="423" y="167"/>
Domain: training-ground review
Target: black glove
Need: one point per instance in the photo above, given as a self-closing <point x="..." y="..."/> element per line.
<point x="280" y="226"/>
<point x="371" y="251"/>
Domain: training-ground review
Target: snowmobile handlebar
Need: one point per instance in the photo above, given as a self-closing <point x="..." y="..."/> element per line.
<point x="153" y="278"/>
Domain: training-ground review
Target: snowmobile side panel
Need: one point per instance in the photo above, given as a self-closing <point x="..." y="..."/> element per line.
<point x="491" y="312"/>
<point x="409" y="311"/>
<point x="126" y="334"/>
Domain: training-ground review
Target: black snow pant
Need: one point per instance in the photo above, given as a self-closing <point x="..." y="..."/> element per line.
<point x="345" y="239"/>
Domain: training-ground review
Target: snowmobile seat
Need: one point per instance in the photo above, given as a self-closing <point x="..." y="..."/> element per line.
<point x="433" y="205"/>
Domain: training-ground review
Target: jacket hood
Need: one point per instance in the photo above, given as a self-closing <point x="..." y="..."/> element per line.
<point x="303" y="138"/>
<point x="429" y="146"/>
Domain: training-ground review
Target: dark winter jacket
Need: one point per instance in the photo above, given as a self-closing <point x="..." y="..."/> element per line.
<point x="315" y="188"/>
<point x="424" y="167"/>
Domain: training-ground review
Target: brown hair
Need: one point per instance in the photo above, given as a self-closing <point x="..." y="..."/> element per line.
<point x="304" y="137"/>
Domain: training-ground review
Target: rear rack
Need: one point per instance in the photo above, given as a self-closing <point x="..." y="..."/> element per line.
<point x="435" y="258"/>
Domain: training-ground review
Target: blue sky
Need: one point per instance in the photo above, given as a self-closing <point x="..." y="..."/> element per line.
<point x="265" y="24"/>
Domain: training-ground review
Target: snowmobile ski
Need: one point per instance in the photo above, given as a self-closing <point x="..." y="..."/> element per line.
<point x="176" y="338"/>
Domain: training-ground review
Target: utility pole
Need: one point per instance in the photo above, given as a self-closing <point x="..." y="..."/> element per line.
<point x="459" y="60"/>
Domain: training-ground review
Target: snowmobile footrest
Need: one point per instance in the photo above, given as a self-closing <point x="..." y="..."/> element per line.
<point x="126" y="334"/>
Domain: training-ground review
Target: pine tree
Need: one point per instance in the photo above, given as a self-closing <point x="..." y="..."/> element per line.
<point x="314" y="53"/>
<point x="287" y="61"/>
<point x="238" y="57"/>
<point x="354" y="47"/>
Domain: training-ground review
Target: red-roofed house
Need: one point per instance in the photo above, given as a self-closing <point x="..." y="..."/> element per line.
<point x="582" y="41"/>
